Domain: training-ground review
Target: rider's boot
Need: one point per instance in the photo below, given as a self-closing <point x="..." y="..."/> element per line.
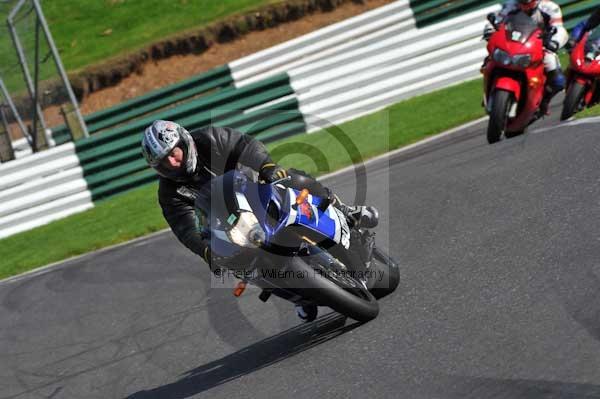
<point x="307" y="313"/>
<point x="556" y="83"/>
<point x="358" y="216"/>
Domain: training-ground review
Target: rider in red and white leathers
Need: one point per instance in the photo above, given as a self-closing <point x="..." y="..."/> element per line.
<point x="548" y="14"/>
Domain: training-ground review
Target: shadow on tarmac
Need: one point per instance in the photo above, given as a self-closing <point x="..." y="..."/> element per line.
<point x="252" y="358"/>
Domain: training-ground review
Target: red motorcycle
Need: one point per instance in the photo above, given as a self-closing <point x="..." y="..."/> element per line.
<point x="583" y="77"/>
<point x="514" y="77"/>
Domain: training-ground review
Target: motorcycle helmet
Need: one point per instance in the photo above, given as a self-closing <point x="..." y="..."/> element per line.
<point x="528" y="5"/>
<point x="160" y="139"/>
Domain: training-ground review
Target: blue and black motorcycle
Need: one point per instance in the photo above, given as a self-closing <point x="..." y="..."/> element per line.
<point x="295" y="245"/>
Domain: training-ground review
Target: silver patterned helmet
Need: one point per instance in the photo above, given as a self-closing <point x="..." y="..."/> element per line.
<point x="159" y="140"/>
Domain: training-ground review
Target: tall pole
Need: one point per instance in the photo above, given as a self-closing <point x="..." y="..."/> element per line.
<point x="37" y="111"/>
<point x="60" y="67"/>
<point x="15" y="112"/>
<point x="39" y="137"/>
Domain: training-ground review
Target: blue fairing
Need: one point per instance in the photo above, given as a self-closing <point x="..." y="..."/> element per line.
<point x="321" y="222"/>
<point x="259" y="196"/>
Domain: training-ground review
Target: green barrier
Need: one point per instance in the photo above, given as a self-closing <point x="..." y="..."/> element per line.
<point x="112" y="161"/>
<point x="108" y="181"/>
<point x="116" y="173"/>
<point x="288" y="129"/>
<point x="121" y="185"/>
<point x="262" y="125"/>
<point x="122" y="155"/>
<point x="214" y="79"/>
<point x="429" y="12"/>
<point x="434" y="11"/>
<point x="161" y="103"/>
<point x="130" y="137"/>
<point x="235" y="108"/>
<point x="120" y="179"/>
<point x="214" y="101"/>
<point x="135" y="174"/>
<point x="238" y="121"/>
<point x="578" y="12"/>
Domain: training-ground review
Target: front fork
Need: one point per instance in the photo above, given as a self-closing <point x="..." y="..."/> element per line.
<point x="488" y="105"/>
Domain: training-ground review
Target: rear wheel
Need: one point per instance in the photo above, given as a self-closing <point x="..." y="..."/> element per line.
<point x="502" y="101"/>
<point x="574" y="101"/>
<point x="388" y="280"/>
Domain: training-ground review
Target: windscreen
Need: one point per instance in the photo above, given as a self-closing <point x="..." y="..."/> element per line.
<point x="520" y="27"/>
<point x="592" y="46"/>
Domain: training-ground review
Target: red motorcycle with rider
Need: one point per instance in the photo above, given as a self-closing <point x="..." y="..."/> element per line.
<point x="583" y="75"/>
<point x="514" y="76"/>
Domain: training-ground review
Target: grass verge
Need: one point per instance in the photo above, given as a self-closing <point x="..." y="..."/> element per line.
<point x="136" y="213"/>
<point x="589" y="112"/>
<point x="87" y="31"/>
<point x="122" y="218"/>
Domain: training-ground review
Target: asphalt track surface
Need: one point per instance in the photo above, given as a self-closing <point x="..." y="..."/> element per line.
<point x="500" y="296"/>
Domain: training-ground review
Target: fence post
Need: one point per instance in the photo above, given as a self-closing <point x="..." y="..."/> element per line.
<point x="6" y="151"/>
<point x="69" y="113"/>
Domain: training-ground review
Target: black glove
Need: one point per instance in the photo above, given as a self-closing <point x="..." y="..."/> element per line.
<point x="271" y="172"/>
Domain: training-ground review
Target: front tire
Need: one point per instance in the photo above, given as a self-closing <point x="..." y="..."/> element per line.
<point x="349" y="298"/>
<point x="573" y="101"/>
<point x="502" y="102"/>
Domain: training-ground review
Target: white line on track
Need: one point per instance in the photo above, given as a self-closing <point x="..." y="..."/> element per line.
<point x="576" y="122"/>
<point x="57" y="265"/>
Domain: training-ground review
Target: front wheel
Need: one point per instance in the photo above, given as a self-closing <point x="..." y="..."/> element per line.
<point x="574" y="101"/>
<point x="501" y="103"/>
<point x="342" y="293"/>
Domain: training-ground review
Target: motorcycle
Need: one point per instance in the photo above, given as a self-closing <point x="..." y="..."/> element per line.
<point x="514" y="77"/>
<point x="583" y="76"/>
<point x="296" y="245"/>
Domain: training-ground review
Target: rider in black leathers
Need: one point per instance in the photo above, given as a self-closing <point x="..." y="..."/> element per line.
<point x="186" y="161"/>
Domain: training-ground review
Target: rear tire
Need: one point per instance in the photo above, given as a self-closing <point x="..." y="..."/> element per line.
<point x="390" y="277"/>
<point x="573" y="100"/>
<point x="502" y="102"/>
